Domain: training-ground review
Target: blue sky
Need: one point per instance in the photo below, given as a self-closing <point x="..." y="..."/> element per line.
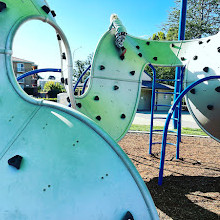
<point x="84" y="22"/>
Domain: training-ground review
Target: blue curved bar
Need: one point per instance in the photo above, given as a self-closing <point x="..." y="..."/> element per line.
<point x="85" y="83"/>
<point x="152" y="106"/>
<point x="164" y="140"/>
<point x="37" y="71"/>
<point x="74" y="88"/>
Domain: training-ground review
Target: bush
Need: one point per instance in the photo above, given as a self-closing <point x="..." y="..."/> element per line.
<point x="53" y="89"/>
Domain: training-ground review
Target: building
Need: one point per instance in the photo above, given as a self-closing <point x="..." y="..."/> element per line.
<point x="146" y="92"/>
<point x="29" y="83"/>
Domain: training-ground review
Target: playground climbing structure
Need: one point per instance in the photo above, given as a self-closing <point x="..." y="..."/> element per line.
<point x="48" y="168"/>
<point x="112" y="97"/>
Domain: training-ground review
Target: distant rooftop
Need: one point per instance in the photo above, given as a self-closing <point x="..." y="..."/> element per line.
<point x="15" y="59"/>
<point x="148" y="85"/>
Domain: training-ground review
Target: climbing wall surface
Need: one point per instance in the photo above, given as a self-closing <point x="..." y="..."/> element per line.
<point x="113" y="95"/>
<point x="55" y="163"/>
<point x="202" y="59"/>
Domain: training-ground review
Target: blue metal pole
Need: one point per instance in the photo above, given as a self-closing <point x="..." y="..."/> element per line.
<point x="179" y="115"/>
<point x="152" y="108"/>
<point x="74" y="88"/>
<point x="85" y="83"/>
<point x="181" y="36"/>
<point x="171" y="111"/>
<point x="37" y="71"/>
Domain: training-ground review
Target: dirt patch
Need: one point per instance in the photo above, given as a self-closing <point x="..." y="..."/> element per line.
<point x="191" y="185"/>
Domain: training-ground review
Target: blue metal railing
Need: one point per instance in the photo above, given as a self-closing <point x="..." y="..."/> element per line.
<point x="37" y="71"/>
<point x="78" y="81"/>
<point x="177" y="119"/>
<point x="181" y="36"/>
<point x="171" y="111"/>
<point x="152" y="108"/>
<point x="85" y="83"/>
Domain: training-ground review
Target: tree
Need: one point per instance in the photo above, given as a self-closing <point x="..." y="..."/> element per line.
<point x="80" y="67"/>
<point x="161" y="72"/>
<point x="53" y="88"/>
<point x="203" y="18"/>
<point x="158" y="36"/>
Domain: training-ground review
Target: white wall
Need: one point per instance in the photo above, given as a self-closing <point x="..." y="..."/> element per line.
<point x="163" y="99"/>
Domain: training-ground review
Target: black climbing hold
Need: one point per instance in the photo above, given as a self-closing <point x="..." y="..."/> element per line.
<point x="96" y="98"/>
<point x="172" y="45"/>
<point x="101" y="67"/>
<point x="58" y="37"/>
<point x="68" y="99"/>
<point x="79" y="105"/>
<point x="128" y="216"/>
<point x="217" y="89"/>
<point x="208" y="40"/>
<point x="195" y="57"/>
<point x="122" y="57"/>
<point x="2" y="6"/>
<point x="98" y="118"/>
<point x="66" y="81"/>
<point x="193" y="91"/>
<point x="218" y="49"/>
<point x="132" y="73"/>
<point x="200" y="42"/>
<point x="63" y="56"/>
<point x="123" y="116"/>
<point x="210" y="107"/>
<point x="155" y="58"/>
<point x="148" y="43"/>
<point x="206" y="69"/>
<point x="46" y="9"/>
<point x="137" y="47"/>
<point x="182" y="58"/>
<point x="116" y="87"/>
<point x="75" y="93"/>
<point x="15" y="161"/>
<point x="140" y="54"/>
<point x="53" y="13"/>
<point x="62" y="80"/>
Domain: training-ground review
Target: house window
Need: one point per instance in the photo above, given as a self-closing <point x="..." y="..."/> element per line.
<point x="20" y="67"/>
<point x="21" y="80"/>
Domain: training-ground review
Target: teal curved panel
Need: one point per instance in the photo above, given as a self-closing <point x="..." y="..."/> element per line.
<point x="203" y="102"/>
<point x="70" y="168"/>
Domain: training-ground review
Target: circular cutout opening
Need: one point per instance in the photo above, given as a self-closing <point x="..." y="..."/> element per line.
<point x="40" y="54"/>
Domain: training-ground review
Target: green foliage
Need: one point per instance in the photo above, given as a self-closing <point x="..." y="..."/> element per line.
<point x="158" y="36"/>
<point x="53" y="88"/>
<point x="203" y="18"/>
<point x="162" y="73"/>
<point x="189" y="131"/>
<point x="49" y="99"/>
<point x="81" y="65"/>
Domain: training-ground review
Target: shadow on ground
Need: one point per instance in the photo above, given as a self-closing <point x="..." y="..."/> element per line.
<point x="171" y="197"/>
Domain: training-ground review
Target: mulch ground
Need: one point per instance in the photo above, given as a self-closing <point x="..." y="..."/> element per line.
<point x="191" y="185"/>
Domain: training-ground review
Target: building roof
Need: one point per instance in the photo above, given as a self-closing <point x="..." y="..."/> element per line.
<point x="15" y="59"/>
<point x="148" y="85"/>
